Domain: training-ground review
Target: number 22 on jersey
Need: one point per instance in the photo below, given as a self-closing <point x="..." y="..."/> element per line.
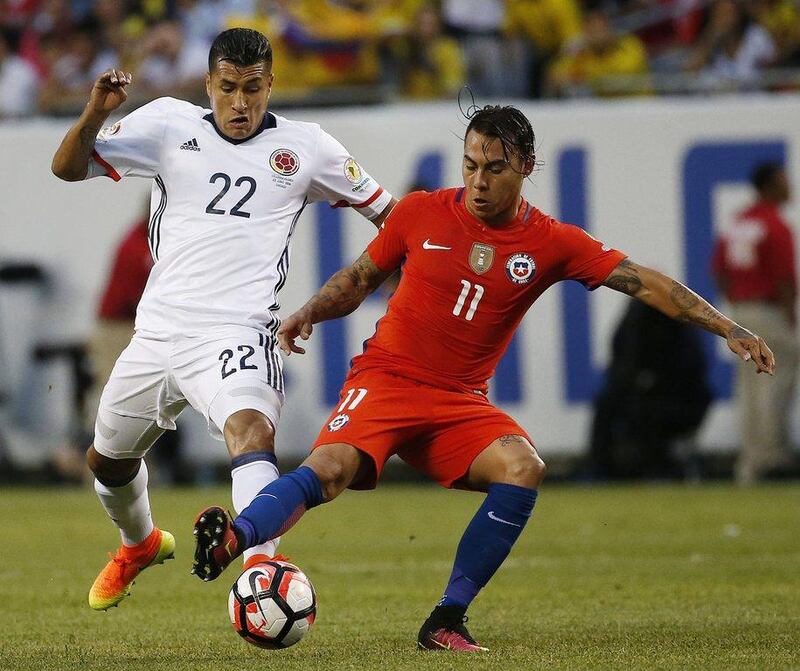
<point x="236" y="210"/>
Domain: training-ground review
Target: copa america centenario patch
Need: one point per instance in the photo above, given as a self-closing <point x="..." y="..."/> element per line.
<point x="352" y="171"/>
<point x="110" y="131"/>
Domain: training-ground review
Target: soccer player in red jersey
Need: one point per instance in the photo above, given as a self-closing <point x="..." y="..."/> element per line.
<point x="474" y="260"/>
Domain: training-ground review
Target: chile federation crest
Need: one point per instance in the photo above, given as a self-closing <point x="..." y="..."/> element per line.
<point x="520" y="268"/>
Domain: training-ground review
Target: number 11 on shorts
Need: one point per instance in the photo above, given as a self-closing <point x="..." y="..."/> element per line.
<point x="355" y="401"/>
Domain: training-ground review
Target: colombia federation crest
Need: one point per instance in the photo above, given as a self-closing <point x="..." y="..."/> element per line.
<point x="284" y="162"/>
<point x="520" y="268"/>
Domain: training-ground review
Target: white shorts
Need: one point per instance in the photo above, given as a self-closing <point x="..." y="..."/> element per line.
<point x="153" y="381"/>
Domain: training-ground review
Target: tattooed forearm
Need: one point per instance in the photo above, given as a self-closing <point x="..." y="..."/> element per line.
<point x="625" y="278"/>
<point x="682" y="298"/>
<point x="668" y="296"/>
<point x="694" y="310"/>
<point x="346" y="290"/>
<point x="71" y="159"/>
<point x="87" y="138"/>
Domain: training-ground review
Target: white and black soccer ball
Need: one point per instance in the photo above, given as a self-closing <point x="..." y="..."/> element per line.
<point x="272" y="604"/>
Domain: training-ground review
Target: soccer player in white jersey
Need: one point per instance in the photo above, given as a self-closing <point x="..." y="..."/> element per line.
<point x="229" y="185"/>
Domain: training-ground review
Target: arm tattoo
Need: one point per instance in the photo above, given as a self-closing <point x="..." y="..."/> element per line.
<point x="346" y="290"/>
<point x="739" y="333"/>
<point x="694" y="310"/>
<point x="510" y="439"/>
<point x="682" y="298"/>
<point x="625" y="278"/>
<point x="668" y="296"/>
<point x="87" y="139"/>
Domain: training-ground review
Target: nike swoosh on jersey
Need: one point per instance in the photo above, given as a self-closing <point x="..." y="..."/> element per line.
<point x="427" y="245"/>
<point x="494" y="517"/>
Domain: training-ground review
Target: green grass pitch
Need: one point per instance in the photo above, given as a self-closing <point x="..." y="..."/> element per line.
<point x="634" y="577"/>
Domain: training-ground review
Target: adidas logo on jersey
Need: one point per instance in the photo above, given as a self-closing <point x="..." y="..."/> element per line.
<point x="191" y="145"/>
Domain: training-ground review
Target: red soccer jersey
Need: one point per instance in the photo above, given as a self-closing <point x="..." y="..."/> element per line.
<point x="756" y="255"/>
<point x="466" y="285"/>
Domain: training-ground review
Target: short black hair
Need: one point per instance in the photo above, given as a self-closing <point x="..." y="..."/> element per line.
<point x="240" y="46"/>
<point x="507" y="124"/>
<point x="764" y="174"/>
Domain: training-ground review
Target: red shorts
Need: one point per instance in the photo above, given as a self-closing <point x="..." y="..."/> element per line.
<point x="437" y="431"/>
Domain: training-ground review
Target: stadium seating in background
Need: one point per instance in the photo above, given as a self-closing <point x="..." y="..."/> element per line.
<point x="331" y="52"/>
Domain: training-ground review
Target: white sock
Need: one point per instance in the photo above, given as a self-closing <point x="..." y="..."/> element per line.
<point x="248" y="480"/>
<point x="128" y="507"/>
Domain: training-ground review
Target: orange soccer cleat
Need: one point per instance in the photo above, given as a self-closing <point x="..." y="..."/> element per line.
<point x="114" y="582"/>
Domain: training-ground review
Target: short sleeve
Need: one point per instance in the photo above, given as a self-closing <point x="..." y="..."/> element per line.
<point x="389" y="248"/>
<point x="132" y="146"/>
<point x="341" y="181"/>
<point x="585" y="258"/>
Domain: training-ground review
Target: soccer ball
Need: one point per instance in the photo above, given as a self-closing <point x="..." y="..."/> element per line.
<point x="272" y="604"/>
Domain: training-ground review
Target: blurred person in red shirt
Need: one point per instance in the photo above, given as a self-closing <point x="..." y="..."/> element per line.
<point x="754" y="267"/>
<point x="132" y="264"/>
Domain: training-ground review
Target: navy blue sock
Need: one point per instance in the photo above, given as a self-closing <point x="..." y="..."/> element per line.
<point x="278" y="506"/>
<point x="487" y="541"/>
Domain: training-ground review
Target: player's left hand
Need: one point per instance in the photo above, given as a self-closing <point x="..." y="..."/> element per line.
<point x="296" y="324"/>
<point x="751" y="346"/>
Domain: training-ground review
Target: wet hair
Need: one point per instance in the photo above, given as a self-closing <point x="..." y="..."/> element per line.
<point x="240" y="46"/>
<point x="507" y="124"/>
<point x="764" y="175"/>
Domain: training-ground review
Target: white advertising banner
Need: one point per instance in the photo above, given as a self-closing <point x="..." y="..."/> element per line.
<point x="652" y="178"/>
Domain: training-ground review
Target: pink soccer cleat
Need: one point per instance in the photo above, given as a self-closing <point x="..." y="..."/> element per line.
<point x="444" y="630"/>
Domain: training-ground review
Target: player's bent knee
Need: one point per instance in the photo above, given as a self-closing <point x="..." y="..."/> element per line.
<point x="111" y="472"/>
<point x="335" y="468"/>
<point x="248" y="431"/>
<point x="525" y="470"/>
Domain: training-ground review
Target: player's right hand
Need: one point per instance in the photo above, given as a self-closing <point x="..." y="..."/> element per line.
<point x="751" y="347"/>
<point x="298" y="324"/>
<point x="108" y="92"/>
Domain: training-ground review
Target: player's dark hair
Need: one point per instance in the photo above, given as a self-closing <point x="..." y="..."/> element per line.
<point x="764" y="174"/>
<point x="240" y="46"/>
<point x="507" y="124"/>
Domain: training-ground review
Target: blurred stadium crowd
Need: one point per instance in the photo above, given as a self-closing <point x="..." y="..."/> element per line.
<point x="362" y="51"/>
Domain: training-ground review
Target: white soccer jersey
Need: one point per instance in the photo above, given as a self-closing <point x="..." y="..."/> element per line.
<point x="223" y="211"/>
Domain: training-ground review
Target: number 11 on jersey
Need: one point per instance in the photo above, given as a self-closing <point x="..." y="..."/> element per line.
<point x="462" y="298"/>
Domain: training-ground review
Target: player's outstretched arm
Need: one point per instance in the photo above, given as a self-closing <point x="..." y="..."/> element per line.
<point x="679" y="302"/>
<point x="71" y="159"/>
<point x="342" y="294"/>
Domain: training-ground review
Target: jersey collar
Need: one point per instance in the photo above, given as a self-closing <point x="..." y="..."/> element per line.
<point x="522" y="218"/>
<point x="269" y="121"/>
